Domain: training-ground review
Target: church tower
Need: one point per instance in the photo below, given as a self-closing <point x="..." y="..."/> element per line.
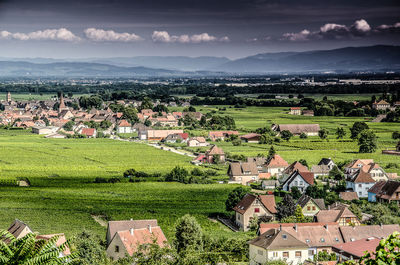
<point x="9" y="97"/>
<point x="62" y="104"/>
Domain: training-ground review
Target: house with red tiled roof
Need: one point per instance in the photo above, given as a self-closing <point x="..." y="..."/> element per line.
<point x="221" y="135"/>
<point x="354" y="250"/>
<point x="385" y="191"/>
<point x="296" y="165"/>
<point x="298" y="179"/>
<point x="124" y="127"/>
<point x="89" y="132"/>
<point x="251" y="137"/>
<point x="276" y="165"/>
<point x="214" y="151"/>
<point x="126" y="237"/>
<point x="243" y="172"/>
<point x="360" y="182"/>
<point x="295" y="111"/>
<point x="339" y="214"/>
<point x="262" y="206"/>
<point x="381" y="105"/>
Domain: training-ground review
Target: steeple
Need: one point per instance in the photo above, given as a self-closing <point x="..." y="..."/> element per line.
<point x="62" y="104"/>
<point x="9" y="97"/>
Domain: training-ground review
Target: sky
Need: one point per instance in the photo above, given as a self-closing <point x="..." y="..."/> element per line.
<point x="229" y="28"/>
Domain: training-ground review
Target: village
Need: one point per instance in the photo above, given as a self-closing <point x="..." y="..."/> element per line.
<point x="299" y="229"/>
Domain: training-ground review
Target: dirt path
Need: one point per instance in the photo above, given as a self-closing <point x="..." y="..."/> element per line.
<point x="99" y="219"/>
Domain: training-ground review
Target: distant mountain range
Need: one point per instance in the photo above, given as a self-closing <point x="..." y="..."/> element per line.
<point x="372" y="58"/>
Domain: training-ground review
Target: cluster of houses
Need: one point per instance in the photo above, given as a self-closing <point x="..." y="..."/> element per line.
<point x="335" y="229"/>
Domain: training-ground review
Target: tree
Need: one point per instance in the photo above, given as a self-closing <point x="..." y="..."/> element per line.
<point x="236" y="142"/>
<point x="177" y="174"/>
<point x="271" y="152"/>
<point x="286" y="207"/>
<point x="130" y="114"/>
<point x="188" y="234"/>
<point x="68" y="126"/>
<point x="286" y="135"/>
<point x="265" y="139"/>
<point x="90" y="249"/>
<point x="303" y="136"/>
<point x="299" y="215"/>
<point x="303" y="162"/>
<point x="357" y="128"/>
<point x="367" y="142"/>
<point x="340" y="133"/>
<point x="323" y="134"/>
<point x="146" y="104"/>
<point x="396" y="135"/>
<point x="235" y="196"/>
<point x="29" y="250"/>
<point x="296" y="194"/>
<point x="336" y="174"/>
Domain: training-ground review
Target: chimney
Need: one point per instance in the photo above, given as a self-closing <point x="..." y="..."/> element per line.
<point x="149" y="227"/>
<point x="381" y="225"/>
<point x="280" y="227"/>
<point x="295" y="227"/>
<point x="329" y="207"/>
<point x="131" y="231"/>
<point x="326" y="226"/>
<point x="131" y="219"/>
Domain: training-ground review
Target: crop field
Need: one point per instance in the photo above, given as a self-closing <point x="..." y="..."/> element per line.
<point x="23" y="154"/>
<point x="64" y="206"/>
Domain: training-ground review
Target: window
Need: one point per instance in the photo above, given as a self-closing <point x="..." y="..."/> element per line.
<point x="313" y="208"/>
<point x="116" y="249"/>
<point x="322" y="239"/>
<point x="275" y="254"/>
<point x="301" y="183"/>
<point x="238" y="217"/>
<point x="296" y="183"/>
<point x="308" y="208"/>
<point x="311" y="252"/>
<point x="284" y="236"/>
<point x="298" y="254"/>
<point x="285" y="254"/>
<point x="360" y="193"/>
<point x="359" y="185"/>
<point x="256" y="210"/>
<point x="260" y="252"/>
<point x="348" y="219"/>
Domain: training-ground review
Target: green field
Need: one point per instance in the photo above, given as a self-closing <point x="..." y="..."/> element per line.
<point x="23" y="154"/>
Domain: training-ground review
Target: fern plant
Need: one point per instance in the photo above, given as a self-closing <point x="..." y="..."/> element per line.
<point x="29" y="250"/>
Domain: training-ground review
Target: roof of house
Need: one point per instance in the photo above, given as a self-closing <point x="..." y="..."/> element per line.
<point x="299" y="128"/>
<point x="241" y="168"/>
<point x="316" y="235"/>
<point x="325" y="216"/>
<point x="324" y="169"/>
<point x="266" y="226"/>
<point x="61" y="240"/>
<point x="124" y="123"/>
<point x="260" y="161"/>
<point x="88" y="131"/>
<point x="115" y="226"/>
<point x="356" y="162"/>
<point x="381" y="102"/>
<point x="295" y="166"/>
<point x="132" y="239"/>
<point x="352" y="233"/>
<point x="295" y="108"/>
<point x="325" y="161"/>
<point x="307" y="176"/>
<point x="357" y="248"/>
<point x="377" y="187"/>
<point x="362" y="177"/>
<point x="214" y="134"/>
<point x="267" y="200"/>
<point x="385" y="189"/>
<point x="276" y="161"/>
<point x="277" y="239"/>
<point x="215" y="150"/>
<point x="348" y="195"/>
<point x="264" y="175"/>
<point x="304" y="199"/>
<point x="250" y="136"/>
<point x="17" y="227"/>
<point x="200" y="139"/>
